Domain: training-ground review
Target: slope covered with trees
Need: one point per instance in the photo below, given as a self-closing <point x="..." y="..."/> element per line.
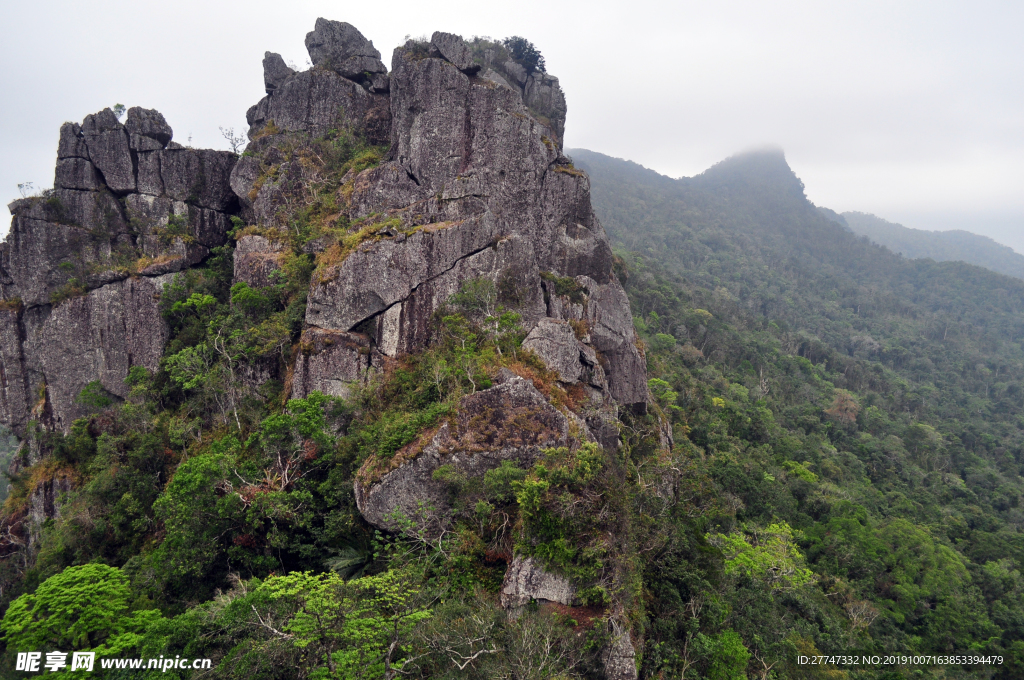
<point x="941" y="246"/>
<point x="863" y="406"/>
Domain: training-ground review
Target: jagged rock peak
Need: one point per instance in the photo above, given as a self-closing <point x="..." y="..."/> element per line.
<point x="340" y="47"/>
<point x="79" y="266"/>
<point x="275" y="71"/>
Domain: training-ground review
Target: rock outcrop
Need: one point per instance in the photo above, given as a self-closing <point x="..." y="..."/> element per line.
<point x="511" y="421"/>
<point x="81" y="268"/>
<point x="480" y="190"/>
<point x="526" y="581"/>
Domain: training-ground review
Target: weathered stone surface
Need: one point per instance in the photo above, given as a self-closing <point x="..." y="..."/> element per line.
<point x="319" y="100"/>
<point x="340" y="47"/>
<point x="107" y="141"/>
<point x="407" y="326"/>
<point x="332" y="362"/>
<point x="98" y="336"/>
<point x="148" y="180"/>
<point x="516" y="71"/>
<point x="380" y="83"/>
<point x="468" y="151"/>
<point x="199" y="176"/>
<point x="80" y="233"/>
<point x="511" y="421"/>
<point x="555" y="342"/>
<point x="526" y="580"/>
<point x="496" y="78"/>
<point x="40" y="255"/>
<point x="148" y="123"/>
<point x="373" y="278"/>
<point x="611" y="328"/>
<point x="72" y="142"/>
<point x="452" y="48"/>
<point x="275" y="71"/>
<point x="619" y="656"/>
<point x="256" y="259"/>
<point x="544" y="96"/>
<point x="14" y="397"/>
<point x="76" y="173"/>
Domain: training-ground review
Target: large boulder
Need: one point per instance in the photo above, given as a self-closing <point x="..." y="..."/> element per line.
<point x="556" y="343"/>
<point x="147" y="129"/>
<point x="511" y="421"/>
<point x="319" y="100"/>
<point x="340" y="47"/>
<point x="453" y="49"/>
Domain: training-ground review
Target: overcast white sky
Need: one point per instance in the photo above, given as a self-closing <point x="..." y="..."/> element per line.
<point x="913" y="111"/>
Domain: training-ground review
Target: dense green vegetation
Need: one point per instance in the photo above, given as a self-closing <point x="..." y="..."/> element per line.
<point x="940" y="246"/>
<point x="858" y="418"/>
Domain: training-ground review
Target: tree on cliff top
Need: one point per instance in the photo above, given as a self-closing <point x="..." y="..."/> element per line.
<point x="525" y="54"/>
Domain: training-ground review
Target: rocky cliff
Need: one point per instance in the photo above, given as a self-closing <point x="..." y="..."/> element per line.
<point x="83" y="265"/>
<point x="461" y="179"/>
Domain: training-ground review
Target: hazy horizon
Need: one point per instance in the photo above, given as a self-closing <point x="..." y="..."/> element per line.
<point x="913" y="112"/>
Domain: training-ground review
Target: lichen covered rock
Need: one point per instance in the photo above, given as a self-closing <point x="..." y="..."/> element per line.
<point x="472" y="169"/>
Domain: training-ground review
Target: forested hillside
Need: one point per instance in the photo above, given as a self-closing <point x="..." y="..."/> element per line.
<point x="937" y="245"/>
<point x="866" y="406"/>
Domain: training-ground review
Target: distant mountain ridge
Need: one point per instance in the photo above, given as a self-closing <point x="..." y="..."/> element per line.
<point x="941" y="246"/>
<point x="764" y="173"/>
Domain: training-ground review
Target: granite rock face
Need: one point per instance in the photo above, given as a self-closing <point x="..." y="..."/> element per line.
<point x="95" y="337"/>
<point x="80" y="267"/>
<point x="485" y="192"/>
<point x="14" y="394"/>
